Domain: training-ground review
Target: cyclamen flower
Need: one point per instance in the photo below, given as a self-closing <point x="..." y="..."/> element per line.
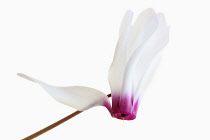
<point x="136" y="56"/>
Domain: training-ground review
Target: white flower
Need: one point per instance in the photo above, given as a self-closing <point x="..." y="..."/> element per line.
<point x="136" y="56"/>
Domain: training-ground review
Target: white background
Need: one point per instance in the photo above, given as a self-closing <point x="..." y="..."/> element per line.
<point x="72" y="43"/>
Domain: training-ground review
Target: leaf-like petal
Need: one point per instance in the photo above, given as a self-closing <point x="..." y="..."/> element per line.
<point x="78" y="97"/>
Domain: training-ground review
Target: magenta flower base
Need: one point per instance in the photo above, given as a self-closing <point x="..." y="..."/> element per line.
<point x="124" y="108"/>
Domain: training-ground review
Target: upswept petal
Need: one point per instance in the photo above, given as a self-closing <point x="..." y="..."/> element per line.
<point x="118" y="65"/>
<point x="143" y="56"/>
<point x="144" y="26"/>
<point x="141" y="84"/>
<point x="78" y="97"/>
<point x="131" y="37"/>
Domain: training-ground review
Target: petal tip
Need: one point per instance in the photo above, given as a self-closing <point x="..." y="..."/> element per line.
<point x="25" y="76"/>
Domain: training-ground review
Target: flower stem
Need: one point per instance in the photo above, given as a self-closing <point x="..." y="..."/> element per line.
<point x="42" y="131"/>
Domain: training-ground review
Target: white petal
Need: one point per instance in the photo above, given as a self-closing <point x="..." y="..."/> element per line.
<point x="143" y="28"/>
<point x="131" y="37"/>
<point x="80" y="98"/>
<point x="126" y="22"/>
<point x="118" y="65"/>
<point x="145" y="80"/>
<point x="144" y="55"/>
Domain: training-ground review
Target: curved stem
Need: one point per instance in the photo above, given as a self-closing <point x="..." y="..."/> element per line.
<point x="42" y="131"/>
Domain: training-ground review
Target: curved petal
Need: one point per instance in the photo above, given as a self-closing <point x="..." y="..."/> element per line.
<point x="142" y="83"/>
<point x="130" y="38"/>
<point x="144" y="55"/>
<point x="118" y="65"/>
<point x="144" y="26"/>
<point x="80" y="98"/>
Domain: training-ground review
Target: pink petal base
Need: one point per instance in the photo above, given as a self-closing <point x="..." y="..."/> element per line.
<point x="107" y="105"/>
<point x="124" y="108"/>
